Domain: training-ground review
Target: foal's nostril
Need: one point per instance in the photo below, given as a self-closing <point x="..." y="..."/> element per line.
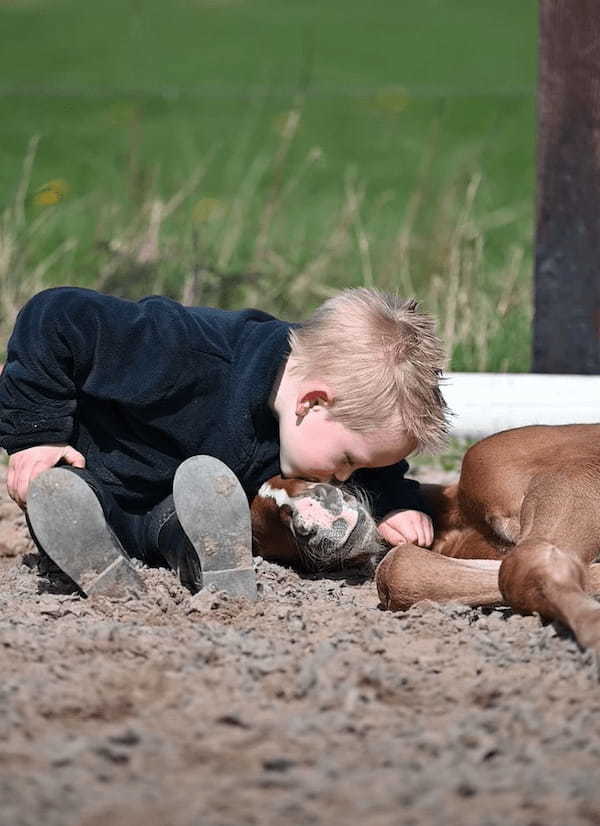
<point x="285" y="513"/>
<point x="339" y="530"/>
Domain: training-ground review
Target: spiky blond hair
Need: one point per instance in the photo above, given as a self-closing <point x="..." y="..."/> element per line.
<point x="383" y="359"/>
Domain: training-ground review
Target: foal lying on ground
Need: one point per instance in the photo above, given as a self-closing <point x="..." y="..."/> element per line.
<point x="521" y="526"/>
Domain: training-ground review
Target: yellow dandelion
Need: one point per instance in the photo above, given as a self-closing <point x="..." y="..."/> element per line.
<point x="207" y="209"/>
<point x="51" y="193"/>
<point x="391" y="99"/>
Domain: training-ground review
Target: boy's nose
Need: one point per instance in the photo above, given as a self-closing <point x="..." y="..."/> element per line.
<point x="342" y="475"/>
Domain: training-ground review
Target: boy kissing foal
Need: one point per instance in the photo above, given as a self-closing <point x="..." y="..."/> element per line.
<point x="142" y="429"/>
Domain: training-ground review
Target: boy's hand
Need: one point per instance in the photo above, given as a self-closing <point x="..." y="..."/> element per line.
<point x="25" y="465"/>
<point x="402" y="526"/>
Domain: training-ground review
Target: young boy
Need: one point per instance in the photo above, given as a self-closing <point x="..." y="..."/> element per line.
<point x="142" y="428"/>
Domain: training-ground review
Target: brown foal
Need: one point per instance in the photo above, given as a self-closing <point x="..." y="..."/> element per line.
<point x="520" y="527"/>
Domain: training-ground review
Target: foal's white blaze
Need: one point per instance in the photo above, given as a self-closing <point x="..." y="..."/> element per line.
<point x="278" y="494"/>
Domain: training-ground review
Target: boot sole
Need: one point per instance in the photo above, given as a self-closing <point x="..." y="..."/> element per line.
<point x="212" y="509"/>
<point x="68" y="522"/>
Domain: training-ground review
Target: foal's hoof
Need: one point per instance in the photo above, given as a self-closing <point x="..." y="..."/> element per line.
<point x="393" y="578"/>
<point x="587" y="630"/>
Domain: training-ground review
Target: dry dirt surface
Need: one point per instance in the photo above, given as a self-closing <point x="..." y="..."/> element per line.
<point x="310" y="706"/>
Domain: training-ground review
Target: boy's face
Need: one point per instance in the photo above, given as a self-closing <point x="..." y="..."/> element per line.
<point x="319" y="448"/>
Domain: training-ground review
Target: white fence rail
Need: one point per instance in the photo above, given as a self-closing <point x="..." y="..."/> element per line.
<point x="485" y="403"/>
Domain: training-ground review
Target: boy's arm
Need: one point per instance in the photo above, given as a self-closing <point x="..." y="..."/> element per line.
<point x="37" y="389"/>
<point x="70" y="341"/>
<point x="38" y="393"/>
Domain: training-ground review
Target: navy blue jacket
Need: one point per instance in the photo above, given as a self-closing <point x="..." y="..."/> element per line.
<point x="137" y="387"/>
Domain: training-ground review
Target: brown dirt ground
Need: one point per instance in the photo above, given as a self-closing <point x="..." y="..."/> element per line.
<point x="309" y="707"/>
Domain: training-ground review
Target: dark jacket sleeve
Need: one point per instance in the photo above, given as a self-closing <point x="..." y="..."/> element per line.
<point x="37" y="389"/>
<point x="387" y="489"/>
<point x="69" y="341"/>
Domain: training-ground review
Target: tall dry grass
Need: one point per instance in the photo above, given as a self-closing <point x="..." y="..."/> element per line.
<point x="24" y="267"/>
<point x="266" y="244"/>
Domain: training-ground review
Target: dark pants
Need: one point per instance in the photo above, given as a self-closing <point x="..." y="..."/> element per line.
<point x="141" y="534"/>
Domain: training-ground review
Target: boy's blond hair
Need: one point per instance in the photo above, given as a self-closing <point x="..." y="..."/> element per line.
<point x="383" y="360"/>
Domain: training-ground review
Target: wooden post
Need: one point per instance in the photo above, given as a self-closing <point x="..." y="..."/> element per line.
<point x="567" y="260"/>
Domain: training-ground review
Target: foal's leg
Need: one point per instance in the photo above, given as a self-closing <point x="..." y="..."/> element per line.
<point x="548" y="571"/>
<point x="537" y="575"/>
<point x="408" y="574"/>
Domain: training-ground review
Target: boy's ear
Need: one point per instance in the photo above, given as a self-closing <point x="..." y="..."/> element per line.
<point x="310" y="398"/>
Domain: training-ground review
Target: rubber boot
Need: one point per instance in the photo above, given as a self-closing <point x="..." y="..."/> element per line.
<point x="68" y="523"/>
<point x="213" y="511"/>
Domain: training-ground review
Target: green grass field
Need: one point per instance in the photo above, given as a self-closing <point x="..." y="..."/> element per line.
<point x="269" y="153"/>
